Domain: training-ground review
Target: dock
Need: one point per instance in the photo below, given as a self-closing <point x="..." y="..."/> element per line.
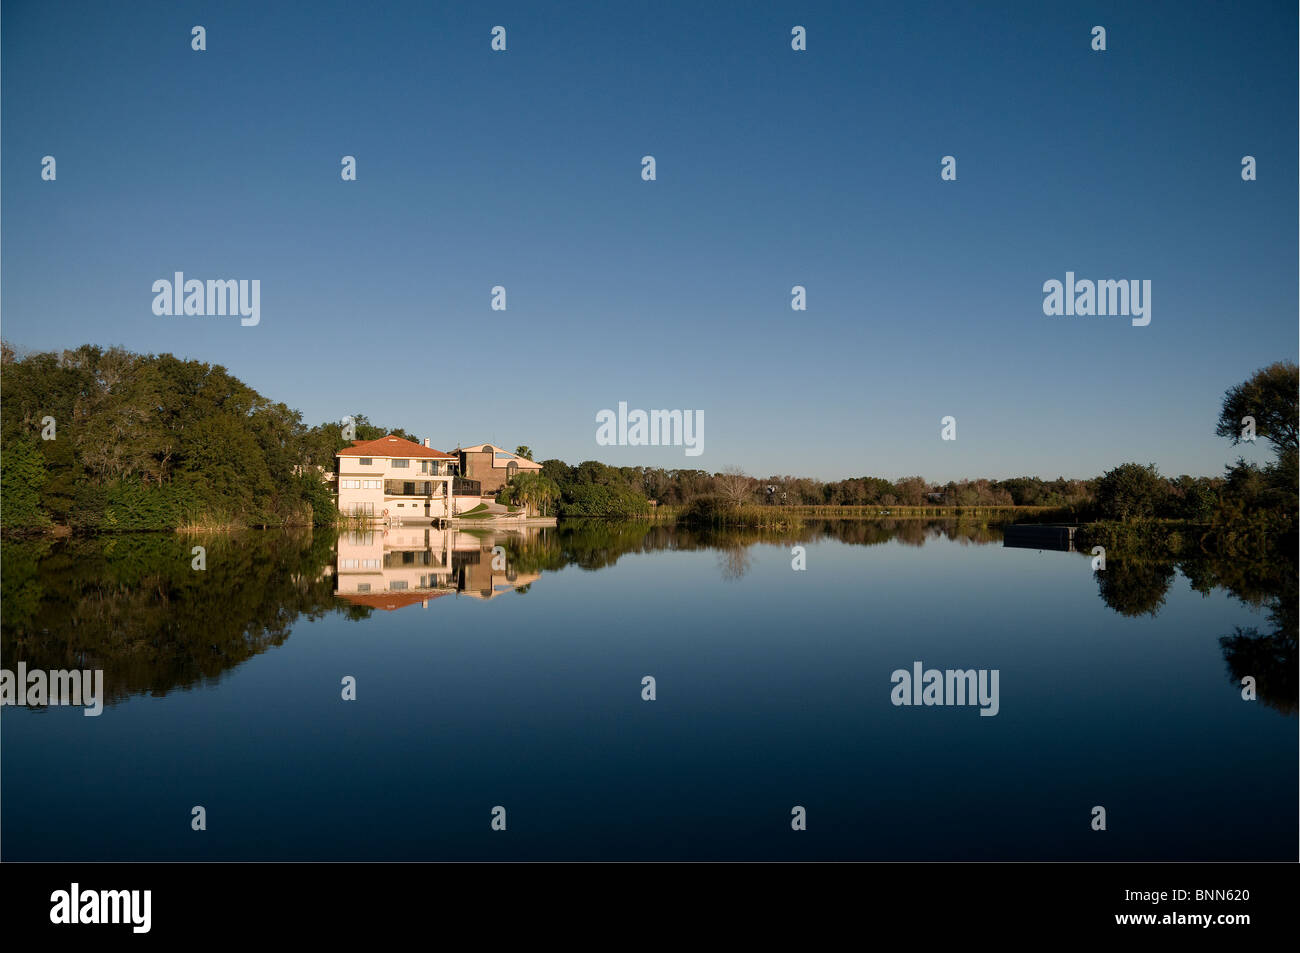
<point x="1054" y="536"/>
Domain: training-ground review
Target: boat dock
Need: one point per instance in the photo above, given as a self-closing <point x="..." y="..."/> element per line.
<point x="1053" y="536"/>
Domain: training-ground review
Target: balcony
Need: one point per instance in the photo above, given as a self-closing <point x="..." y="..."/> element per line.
<point x="412" y="488"/>
<point x="463" y="487"/>
<point x="407" y="558"/>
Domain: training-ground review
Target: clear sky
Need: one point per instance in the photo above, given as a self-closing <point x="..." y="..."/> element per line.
<point x="775" y="168"/>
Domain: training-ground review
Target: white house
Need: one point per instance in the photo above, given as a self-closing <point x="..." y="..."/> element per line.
<point x="394" y="477"/>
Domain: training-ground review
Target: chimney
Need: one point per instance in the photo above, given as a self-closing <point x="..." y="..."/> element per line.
<point x="426" y="441"/>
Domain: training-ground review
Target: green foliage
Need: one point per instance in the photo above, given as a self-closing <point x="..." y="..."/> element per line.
<point x="1272" y="397"/>
<point x="317" y="495"/>
<point x="1131" y="491"/>
<point x="155" y="442"/>
<point x="531" y="490"/>
<point x="1193" y="498"/>
<point x="607" y="501"/>
<point x="705" y="510"/>
<point x="558" y="471"/>
<point x="714" y="511"/>
<point x="22" y="478"/>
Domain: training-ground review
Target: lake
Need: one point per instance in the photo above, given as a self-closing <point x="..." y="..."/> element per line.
<point x="506" y="671"/>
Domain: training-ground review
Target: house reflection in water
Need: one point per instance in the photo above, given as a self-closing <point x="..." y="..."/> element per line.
<point x="400" y="566"/>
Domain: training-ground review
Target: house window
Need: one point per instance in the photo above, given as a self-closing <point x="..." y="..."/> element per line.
<point x="363" y="587"/>
<point x="397" y="584"/>
<point x="367" y="461"/>
<point x="401" y="464"/>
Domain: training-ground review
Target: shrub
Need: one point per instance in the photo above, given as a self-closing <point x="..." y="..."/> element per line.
<point x="611" y="502"/>
<point x="1131" y="491"/>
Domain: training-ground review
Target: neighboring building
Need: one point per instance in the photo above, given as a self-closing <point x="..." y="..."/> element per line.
<point x="492" y="466"/>
<point x="396" y="477"/>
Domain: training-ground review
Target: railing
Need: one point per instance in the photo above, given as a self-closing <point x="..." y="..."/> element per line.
<point x="410" y="488"/>
<point x="463" y="487"/>
<point x="401" y="558"/>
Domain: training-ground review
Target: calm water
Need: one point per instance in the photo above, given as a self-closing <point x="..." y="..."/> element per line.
<point x="520" y="686"/>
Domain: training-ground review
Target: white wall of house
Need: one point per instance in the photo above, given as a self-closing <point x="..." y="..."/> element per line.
<point x="362" y="487"/>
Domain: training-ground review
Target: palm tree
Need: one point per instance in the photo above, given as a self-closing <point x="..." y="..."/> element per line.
<point x="534" y="491"/>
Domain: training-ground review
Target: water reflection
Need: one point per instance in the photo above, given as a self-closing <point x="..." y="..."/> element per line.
<point x="134" y="606"/>
<point x="390" y="569"/>
<point x="1138" y="585"/>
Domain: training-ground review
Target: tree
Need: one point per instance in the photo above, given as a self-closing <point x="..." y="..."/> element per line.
<point x="733" y="486"/>
<point x="1193" y="498"/>
<point x="533" y="490"/>
<point x="145" y="440"/>
<point x="1131" y="491"/>
<point x="524" y="451"/>
<point x="21" y="479"/>
<point x="911" y="491"/>
<point x="557" y="470"/>
<point x="609" y="501"/>
<point x="1272" y="397"/>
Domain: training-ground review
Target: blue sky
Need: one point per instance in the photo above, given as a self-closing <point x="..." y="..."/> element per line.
<point x="775" y="168"/>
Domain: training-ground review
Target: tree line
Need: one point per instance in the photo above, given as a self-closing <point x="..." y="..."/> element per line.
<point x="97" y="438"/>
<point x="101" y="439"/>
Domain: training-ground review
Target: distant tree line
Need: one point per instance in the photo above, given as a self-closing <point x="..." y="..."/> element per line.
<point x="1264" y="407"/>
<point x="582" y="485"/>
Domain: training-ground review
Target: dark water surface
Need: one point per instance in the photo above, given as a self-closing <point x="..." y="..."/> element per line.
<point x="520" y="686"/>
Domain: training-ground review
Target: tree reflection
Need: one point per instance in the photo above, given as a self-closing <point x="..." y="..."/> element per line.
<point x="1135" y="587"/>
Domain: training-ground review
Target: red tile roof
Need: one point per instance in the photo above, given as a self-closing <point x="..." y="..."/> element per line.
<point x="391" y="446"/>
<point x="389" y="601"/>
